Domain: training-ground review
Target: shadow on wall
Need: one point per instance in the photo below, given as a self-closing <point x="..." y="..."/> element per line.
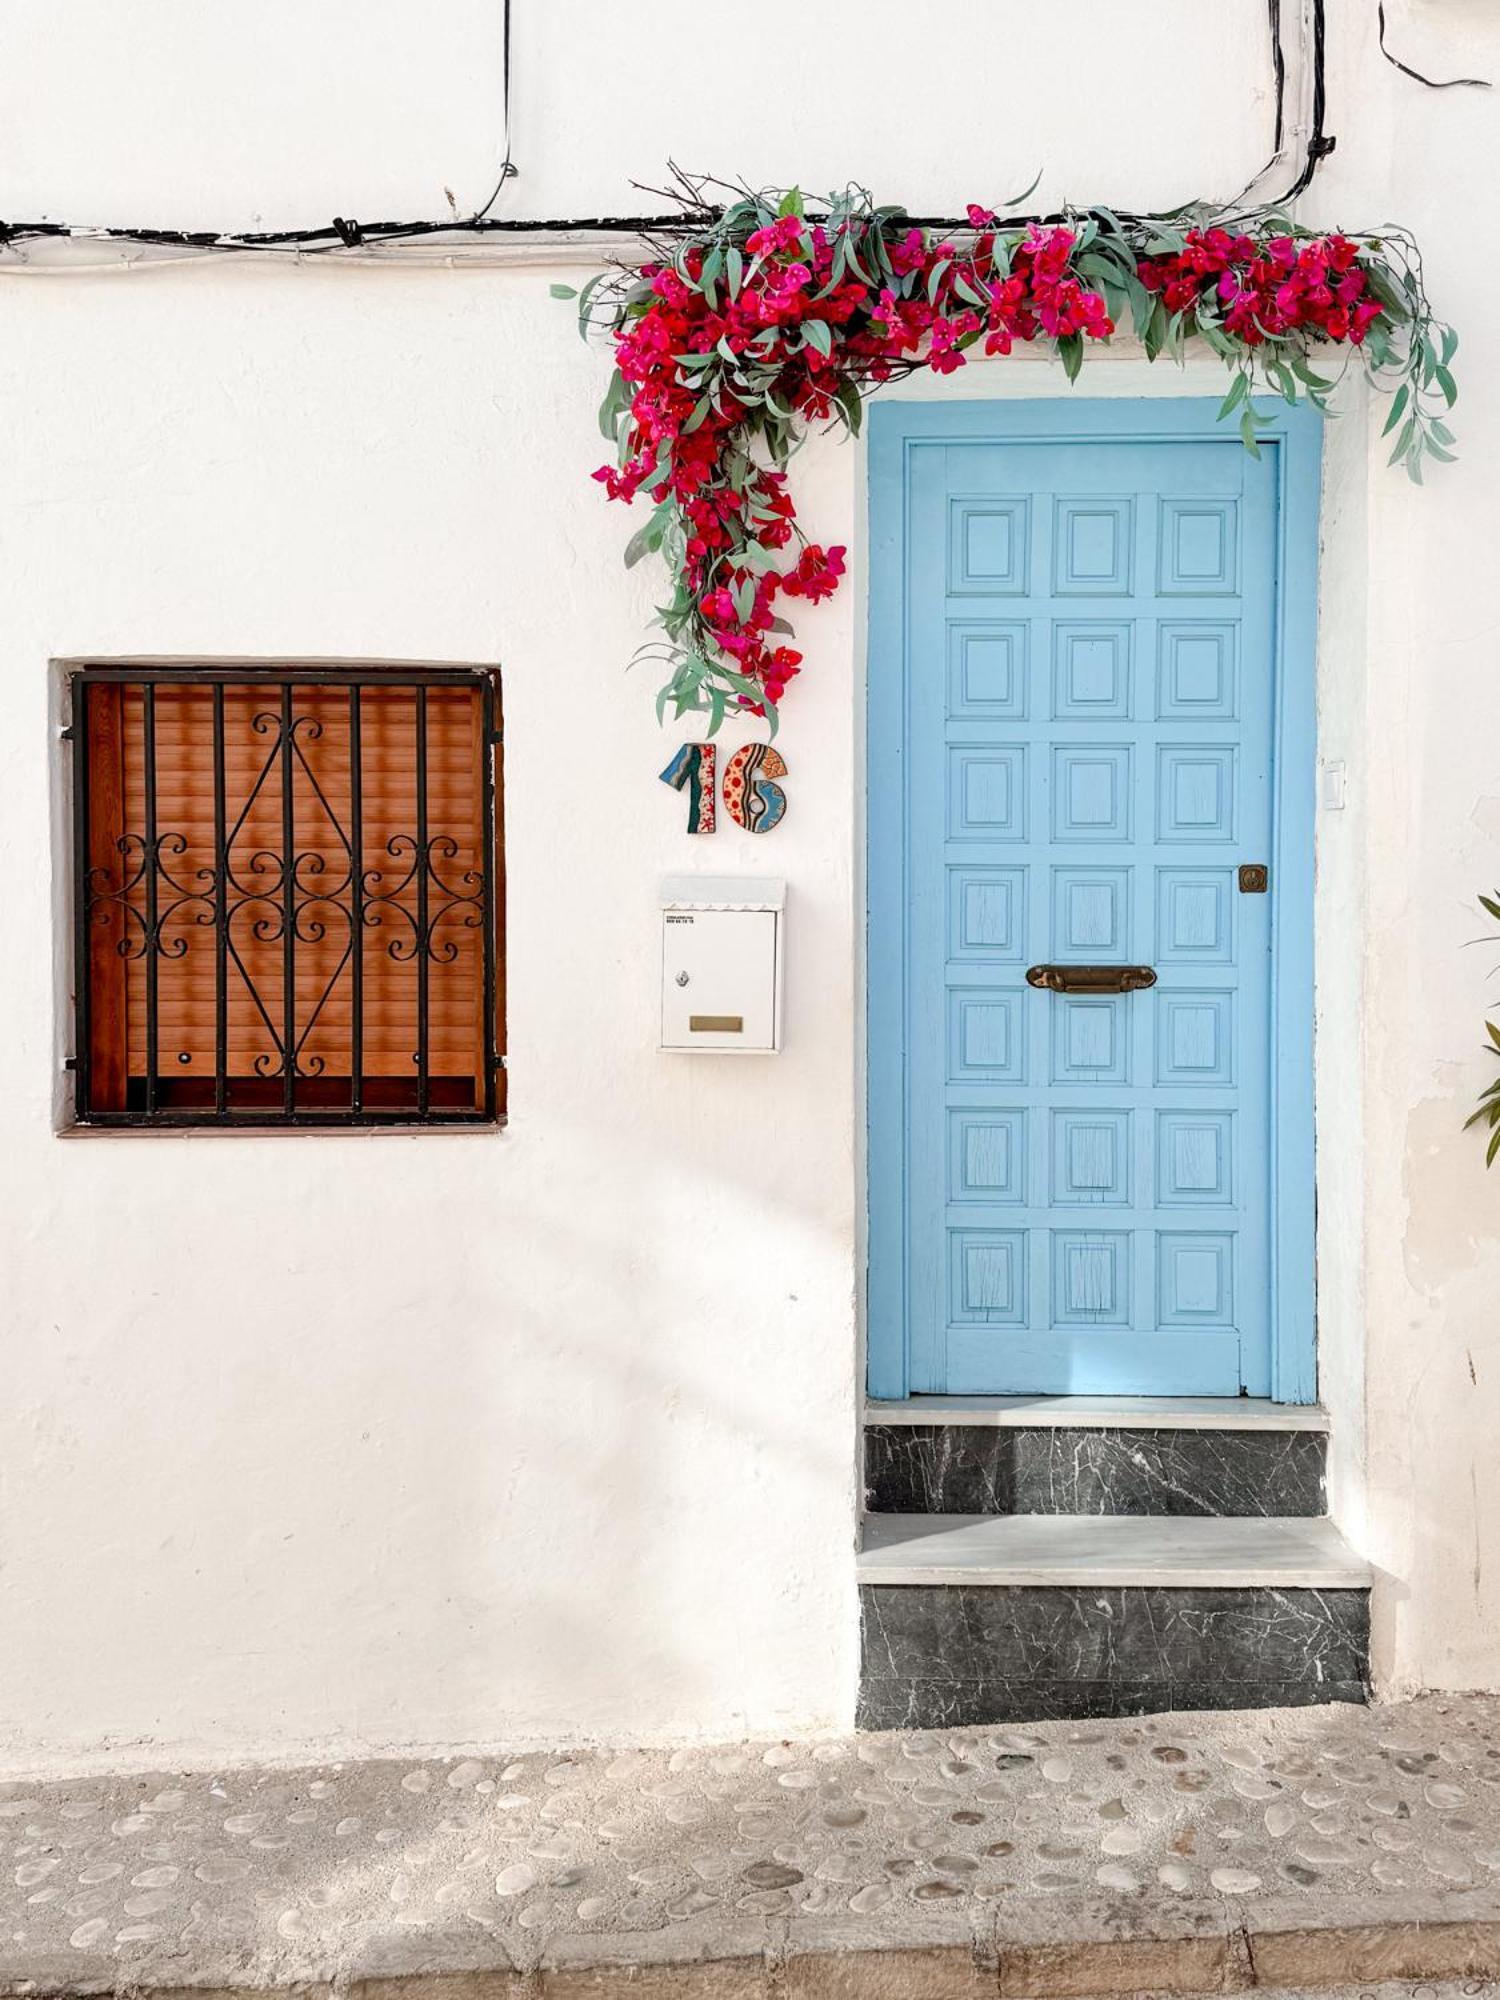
<point x="578" y="1463"/>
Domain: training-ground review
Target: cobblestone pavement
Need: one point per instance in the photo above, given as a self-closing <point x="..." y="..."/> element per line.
<point x="1220" y="1834"/>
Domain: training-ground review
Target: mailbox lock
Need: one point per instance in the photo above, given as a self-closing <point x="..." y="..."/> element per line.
<point x="682" y="979"/>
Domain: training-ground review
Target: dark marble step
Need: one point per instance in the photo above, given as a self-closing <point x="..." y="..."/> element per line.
<point x="961" y="1656"/>
<point x="972" y="1468"/>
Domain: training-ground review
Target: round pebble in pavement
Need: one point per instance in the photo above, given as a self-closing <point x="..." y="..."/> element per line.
<point x="926" y="1829"/>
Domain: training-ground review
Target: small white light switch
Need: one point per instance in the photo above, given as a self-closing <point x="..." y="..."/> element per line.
<point x="1333" y="785"/>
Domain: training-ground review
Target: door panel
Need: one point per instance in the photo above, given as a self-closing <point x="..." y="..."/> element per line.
<point x="1086" y="744"/>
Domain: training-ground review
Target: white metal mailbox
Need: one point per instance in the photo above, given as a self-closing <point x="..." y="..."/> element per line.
<point x="722" y="946"/>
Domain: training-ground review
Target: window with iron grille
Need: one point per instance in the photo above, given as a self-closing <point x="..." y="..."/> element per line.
<point x="287" y="889"/>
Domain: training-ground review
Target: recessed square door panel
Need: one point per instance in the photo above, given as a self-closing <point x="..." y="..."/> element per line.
<point x="1195" y="1279"/>
<point x="1195" y="670"/>
<point x="1194" y="1159"/>
<point x="1086" y="764"/>
<point x="1091" y="1038"/>
<point x="1198" y="553"/>
<point x="987" y="791"/>
<point x="1195" y="792"/>
<point x="1091" y="915"/>
<point x="1090" y="669"/>
<point x="1194" y="1037"/>
<point x="987" y="1157"/>
<point x="1194" y="916"/>
<point x="987" y="1277"/>
<point x="986" y="914"/>
<point x="988" y="542"/>
<point x="1091" y="798"/>
<point x="1091" y="1277"/>
<point x="1091" y="547"/>
<point x="986" y="1039"/>
<point x="1091" y="1159"/>
<point x="987" y="668"/>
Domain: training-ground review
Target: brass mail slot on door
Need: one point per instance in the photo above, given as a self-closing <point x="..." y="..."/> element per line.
<point x="716" y="1024"/>
<point x="1091" y="978"/>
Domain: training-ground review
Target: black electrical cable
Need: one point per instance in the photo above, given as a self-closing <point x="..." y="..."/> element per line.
<point x="507" y="165"/>
<point x="1432" y="83"/>
<point x="1319" y="143"/>
<point x="1278" y="64"/>
<point x="345" y="233"/>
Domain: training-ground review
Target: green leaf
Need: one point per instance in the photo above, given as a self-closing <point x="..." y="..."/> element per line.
<point x="734" y="269"/>
<point x="850" y="401"/>
<point x="563" y="291"/>
<point x="585" y="298"/>
<point x="1493" y="1148"/>
<point x="1489" y="903"/>
<point x="817" y="333"/>
<point x="1446" y="383"/>
<point x="1070" y="353"/>
<point x="616" y="399"/>
<point x="1247" y="430"/>
<point x="791" y="202"/>
<point x="1156" y="329"/>
<point x="644" y="542"/>
<point x="1142" y="305"/>
<point x="1239" y="389"/>
<point x="1398" y="404"/>
<point x="852" y="259"/>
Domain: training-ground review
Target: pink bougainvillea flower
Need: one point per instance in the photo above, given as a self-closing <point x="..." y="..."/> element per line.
<point x="822" y="312"/>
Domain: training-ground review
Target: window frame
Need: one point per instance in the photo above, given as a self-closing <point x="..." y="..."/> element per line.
<point x="291" y="1116"/>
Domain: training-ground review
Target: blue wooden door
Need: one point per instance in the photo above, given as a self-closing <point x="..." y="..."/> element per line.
<point x="1084" y="696"/>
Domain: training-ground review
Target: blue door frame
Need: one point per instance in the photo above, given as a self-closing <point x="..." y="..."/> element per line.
<point x="898" y="432"/>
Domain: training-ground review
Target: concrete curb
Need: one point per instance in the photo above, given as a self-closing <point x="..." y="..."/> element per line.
<point x="1235" y="1961"/>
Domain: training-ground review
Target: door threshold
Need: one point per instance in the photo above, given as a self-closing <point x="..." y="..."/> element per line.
<point x="1156" y="1413"/>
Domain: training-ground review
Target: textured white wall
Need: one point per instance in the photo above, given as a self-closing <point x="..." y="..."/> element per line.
<point x="1410" y="648"/>
<point x="374" y="109"/>
<point x="379" y="1441"/>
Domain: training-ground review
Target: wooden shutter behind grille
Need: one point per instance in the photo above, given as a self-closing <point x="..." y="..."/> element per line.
<point x="265" y="768"/>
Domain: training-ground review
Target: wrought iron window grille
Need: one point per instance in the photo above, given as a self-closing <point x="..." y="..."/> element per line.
<point x="288" y="890"/>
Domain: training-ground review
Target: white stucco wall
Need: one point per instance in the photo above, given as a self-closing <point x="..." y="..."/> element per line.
<point x="378" y="1441"/>
<point x="1422" y="837"/>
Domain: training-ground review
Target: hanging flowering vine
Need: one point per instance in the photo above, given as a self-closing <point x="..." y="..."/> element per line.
<point x="758" y="320"/>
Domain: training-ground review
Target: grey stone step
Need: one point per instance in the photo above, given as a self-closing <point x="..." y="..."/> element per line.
<point x="994" y="1619"/>
<point x="958" y="1466"/>
<point x="1109" y="1550"/>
